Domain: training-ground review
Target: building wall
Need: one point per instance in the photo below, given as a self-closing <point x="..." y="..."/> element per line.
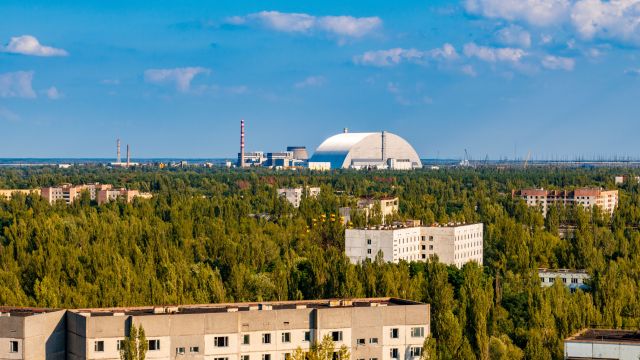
<point x="39" y="336"/>
<point x="599" y="350"/>
<point x="568" y="277"/>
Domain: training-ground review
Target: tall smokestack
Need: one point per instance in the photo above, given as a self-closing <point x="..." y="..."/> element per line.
<point x="118" y="157"/>
<point x="128" y="156"/>
<point x="384" y="145"/>
<point x="241" y="160"/>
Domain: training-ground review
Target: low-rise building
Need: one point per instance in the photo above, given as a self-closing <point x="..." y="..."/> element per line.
<point x="380" y="328"/>
<point x="387" y="206"/>
<point x="573" y="279"/>
<point x="603" y="344"/>
<point x="453" y="244"/>
<point x="621" y="179"/>
<point x="294" y="195"/>
<point x="69" y="192"/>
<point x="9" y="193"/>
<point x="606" y="200"/>
<point x="105" y="196"/>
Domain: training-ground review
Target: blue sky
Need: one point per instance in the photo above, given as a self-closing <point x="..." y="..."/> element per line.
<point x="173" y="78"/>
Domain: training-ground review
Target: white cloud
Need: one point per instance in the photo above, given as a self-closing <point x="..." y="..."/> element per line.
<point x="181" y="77"/>
<point x="615" y="19"/>
<point x="6" y="114"/>
<point x="17" y="84"/>
<point x="514" y="35"/>
<point x="53" y="93"/>
<point x="558" y="63"/>
<point x="469" y="70"/>
<point x="311" y="81"/>
<point x="343" y="26"/>
<point x="491" y="54"/>
<point x="29" y="45"/>
<point x="395" y="56"/>
<point x="535" y="12"/>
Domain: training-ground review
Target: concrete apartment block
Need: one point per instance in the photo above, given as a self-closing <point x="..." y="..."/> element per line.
<point x="32" y="334"/>
<point x="607" y="200"/>
<point x="453" y="244"/>
<point x="380" y="328"/>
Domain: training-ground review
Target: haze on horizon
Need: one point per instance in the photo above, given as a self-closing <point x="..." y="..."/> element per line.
<point x="497" y="77"/>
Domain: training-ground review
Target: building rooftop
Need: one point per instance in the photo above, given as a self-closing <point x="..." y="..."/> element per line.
<point x="217" y="308"/>
<point x="606" y="336"/>
<point x="568" y="271"/>
<point x="413" y="224"/>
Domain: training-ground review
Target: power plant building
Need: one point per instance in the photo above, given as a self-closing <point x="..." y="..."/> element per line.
<point x="377" y="150"/>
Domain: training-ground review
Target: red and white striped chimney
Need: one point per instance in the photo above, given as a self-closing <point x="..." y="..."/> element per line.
<point x="241" y="160"/>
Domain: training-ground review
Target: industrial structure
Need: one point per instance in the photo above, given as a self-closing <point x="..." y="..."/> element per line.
<point x="118" y="162"/>
<point x="295" y="156"/>
<point x="377" y="150"/>
<point x="606" y="200"/>
<point x="379" y="328"/>
<point x="573" y="279"/>
<point x="603" y="344"/>
<point x="453" y="244"/>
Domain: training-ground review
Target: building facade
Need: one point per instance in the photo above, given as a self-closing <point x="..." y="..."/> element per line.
<point x="32" y="334"/>
<point x="452" y="244"/>
<point x="388" y="206"/>
<point x="69" y="193"/>
<point x="603" y="344"/>
<point x="294" y="195"/>
<point x="105" y="196"/>
<point x="573" y="279"/>
<point x="382" y="328"/>
<point x="607" y="200"/>
<point x="9" y="193"/>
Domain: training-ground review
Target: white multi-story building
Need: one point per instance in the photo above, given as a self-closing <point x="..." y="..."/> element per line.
<point x="573" y="279"/>
<point x="605" y="344"/>
<point x="294" y="195"/>
<point x="453" y="244"/>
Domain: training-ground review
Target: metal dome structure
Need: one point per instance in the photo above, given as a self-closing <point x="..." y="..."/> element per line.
<point x="380" y="150"/>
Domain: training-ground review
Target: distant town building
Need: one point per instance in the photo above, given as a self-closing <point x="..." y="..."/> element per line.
<point x="453" y="244"/>
<point x="606" y="200"/>
<point x="105" y="196"/>
<point x="69" y="193"/>
<point x="376" y="150"/>
<point x="388" y="206"/>
<point x="294" y="195"/>
<point x="619" y="180"/>
<point x="603" y="344"/>
<point x="380" y="328"/>
<point x="573" y="279"/>
<point x="9" y="193"/>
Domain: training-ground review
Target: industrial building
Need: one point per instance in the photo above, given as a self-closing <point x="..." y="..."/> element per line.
<point x="606" y="200"/>
<point x="453" y="244"/>
<point x="573" y="279"/>
<point x="377" y="150"/>
<point x="294" y="195"/>
<point x="380" y="328"/>
<point x="119" y="162"/>
<point x="295" y="156"/>
<point x="388" y="206"/>
<point x="603" y="344"/>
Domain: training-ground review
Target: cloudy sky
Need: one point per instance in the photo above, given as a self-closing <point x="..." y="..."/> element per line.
<point x="173" y="78"/>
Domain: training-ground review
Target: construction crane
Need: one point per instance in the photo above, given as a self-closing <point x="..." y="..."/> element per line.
<point x="526" y="161"/>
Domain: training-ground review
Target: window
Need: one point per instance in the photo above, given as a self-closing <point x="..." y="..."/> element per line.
<point x="430" y="238"/>
<point x="154" y="345"/>
<point x="286" y="356"/>
<point x="244" y="357"/>
<point x="98" y="346"/>
<point x="307" y="336"/>
<point x="246" y="339"/>
<point x="416" y="351"/>
<point x="13" y="346"/>
<point x="564" y="280"/>
<point x="120" y="345"/>
<point x="221" y="358"/>
<point x="373" y="340"/>
<point x="266" y="356"/>
<point x="368" y="251"/>
<point x="368" y="241"/>
<point x="430" y="247"/>
<point x="336" y="336"/>
<point x="221" y="341"/>
<point x="394" y="353"/>
<point x="360" y="342"/>
<point x="180" y="350"/>
<point x="417" y="332"/>
<point x="574" y="281"/>
<point x="286" y="337"/>
<point x="194" y="349"/>
<point x="266" y="339"/>
<point x="395" y="333"/>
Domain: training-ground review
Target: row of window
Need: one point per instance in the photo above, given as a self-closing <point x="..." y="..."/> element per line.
<point x="98" y="346"/>
<point x="564" y="280"/>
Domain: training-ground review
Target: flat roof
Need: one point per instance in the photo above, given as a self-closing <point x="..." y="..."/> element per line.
<point x="246" y="306"/>
<point x="566" y="271"/>
<point x="411" y="226"/>
<point x="24" y="311"/>
<point x="606" y="336"/>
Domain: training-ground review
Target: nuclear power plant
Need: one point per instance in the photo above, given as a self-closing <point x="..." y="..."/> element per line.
<point x="370" y="150"/>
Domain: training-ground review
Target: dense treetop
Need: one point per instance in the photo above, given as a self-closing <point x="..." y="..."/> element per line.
<point x="211" y="235"/>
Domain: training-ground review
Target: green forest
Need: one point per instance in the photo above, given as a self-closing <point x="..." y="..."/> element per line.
<point x="213" y="235"/>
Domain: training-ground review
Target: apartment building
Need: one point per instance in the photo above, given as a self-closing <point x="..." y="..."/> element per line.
<point x="388" y="207"/>
<point x="9" y="193"/>
<point x="69" y="192"/>
<point x="294" y="195"/>
<point x="105" y="196"/>
<point x="454" y="244"/>
<point x="603" y="344"/>
<point x="372" y="329"/>
<point x="32" y="334"/>
<point x="573" y="279"/>
<point x="621" y="179"/>
<point x="607" y="200"/>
